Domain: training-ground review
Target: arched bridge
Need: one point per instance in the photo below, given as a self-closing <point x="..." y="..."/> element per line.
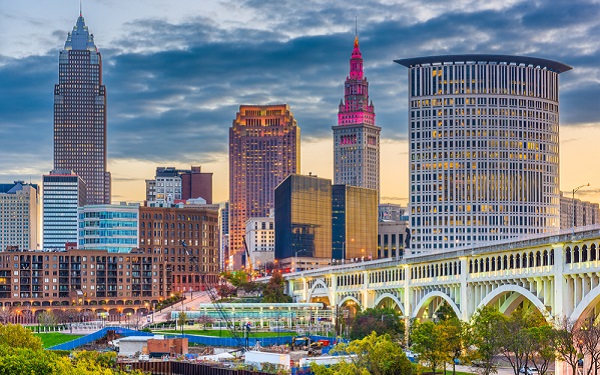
<point x="558" y="274"/>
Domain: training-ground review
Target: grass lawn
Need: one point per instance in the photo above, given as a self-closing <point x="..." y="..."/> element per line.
<point x="225" y="333"/>
<point x="54" y="338"/>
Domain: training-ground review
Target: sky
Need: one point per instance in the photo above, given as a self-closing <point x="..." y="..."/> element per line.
<point x="176" y="73"/>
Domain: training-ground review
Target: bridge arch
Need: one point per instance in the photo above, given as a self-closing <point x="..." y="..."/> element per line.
<point x="393" y="298"/>
<point x="348" y="299"/>
<point x="511" y="303"/>
<point x="319" y="289"/>
<point x="587" y="303"/>
<point x="429" y="297"/>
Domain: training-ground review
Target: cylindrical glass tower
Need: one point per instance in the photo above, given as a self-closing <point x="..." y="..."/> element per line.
<point x="483" y="148"/>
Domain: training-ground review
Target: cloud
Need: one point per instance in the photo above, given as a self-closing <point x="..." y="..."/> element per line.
<point x="174" y="89"/>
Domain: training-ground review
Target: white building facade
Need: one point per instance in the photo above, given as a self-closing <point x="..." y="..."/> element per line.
<point x="260" y="239"/>
<point x="484" y="160"/>
<point x="19" y="215"/>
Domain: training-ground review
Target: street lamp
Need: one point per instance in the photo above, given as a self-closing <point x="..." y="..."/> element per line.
<point x="573" y="211"/>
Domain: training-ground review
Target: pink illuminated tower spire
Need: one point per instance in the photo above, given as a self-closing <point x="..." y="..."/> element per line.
<point x="356" y="137"/>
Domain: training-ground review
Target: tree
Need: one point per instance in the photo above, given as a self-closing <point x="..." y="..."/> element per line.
<point x="518" y="345"/>
<point x="18" y="336"/>
<point x="565" y="336"/>
<point x="6" y="314"/>
<point x="225" y="290"/>
<point x="181" y="320"/>
<point x="429" y="340"/>
<point x="204" y="320"/>
<point x="445" y="312"/>
<point x="237" y="278"/>
<point x="373" y="354"/>
<point x="484" y="339"/>
<point x="453" y="331"/>
<point x="588" y="337"/>
<point x="273" y="291"/>
<point x="381" y="321"/>
<point x="543" y="346"/>
<point x="47" y="319"/>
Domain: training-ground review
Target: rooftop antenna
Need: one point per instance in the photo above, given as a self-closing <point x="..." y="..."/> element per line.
<point x="80" y="13"/>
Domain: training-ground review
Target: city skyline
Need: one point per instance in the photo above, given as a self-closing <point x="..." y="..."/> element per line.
<point x="175" y="77"/>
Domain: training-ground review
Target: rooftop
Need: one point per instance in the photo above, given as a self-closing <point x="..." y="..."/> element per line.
<point x="485" y="59"/>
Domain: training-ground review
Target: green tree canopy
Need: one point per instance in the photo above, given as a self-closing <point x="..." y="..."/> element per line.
<point x="381" y="321"/>
<point x="372" y="355"/>
<point x="273" y="291"/>
<point x="431" y="342"/>
<point x="17" y="336"/>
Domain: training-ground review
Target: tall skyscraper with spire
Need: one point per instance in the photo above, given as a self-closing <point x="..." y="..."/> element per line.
<point x="80" y="114"/>
<point x="264" y="148"/>
<point x="356" y="137"/>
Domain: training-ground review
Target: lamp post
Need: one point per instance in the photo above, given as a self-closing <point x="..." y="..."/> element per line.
<point x="573" y="211"/>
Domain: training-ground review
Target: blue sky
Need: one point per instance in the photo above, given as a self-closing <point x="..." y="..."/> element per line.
<point x="176" y="73"/>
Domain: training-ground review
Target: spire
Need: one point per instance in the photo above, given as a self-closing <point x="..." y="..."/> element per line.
<point x="80" y="38"/>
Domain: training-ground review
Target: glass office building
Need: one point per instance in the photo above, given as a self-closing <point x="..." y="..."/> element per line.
<point x="303" y="217"/>
<point x="483" y="148"/>
<point x="108" y="227"/>
<point x="64" y="192"/>
<point x="354" y="222"/>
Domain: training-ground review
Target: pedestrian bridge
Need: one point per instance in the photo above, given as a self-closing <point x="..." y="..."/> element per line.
<point x="559" y="274"/>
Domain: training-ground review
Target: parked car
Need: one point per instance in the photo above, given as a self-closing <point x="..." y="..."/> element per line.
<point x="528" y="371"/>
<point x="144" y="358"/>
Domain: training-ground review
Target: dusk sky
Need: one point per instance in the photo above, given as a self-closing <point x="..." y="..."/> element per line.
<point x="177" y="71"/>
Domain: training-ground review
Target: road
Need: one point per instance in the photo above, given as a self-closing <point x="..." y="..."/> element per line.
<point x="187" y="304"/>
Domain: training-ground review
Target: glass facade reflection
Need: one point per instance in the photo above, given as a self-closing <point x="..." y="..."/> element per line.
<point x="354" y="222"/>
<point x="303" y="217"/>
<point x="315" y="219"/>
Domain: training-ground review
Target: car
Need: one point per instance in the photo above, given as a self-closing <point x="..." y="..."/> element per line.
<point x="144" y="358"/>
<point x="528" y="371"/>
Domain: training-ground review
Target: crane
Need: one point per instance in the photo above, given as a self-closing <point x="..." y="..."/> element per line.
<point x="248" y="260"/>
<point x="214" y="298"/>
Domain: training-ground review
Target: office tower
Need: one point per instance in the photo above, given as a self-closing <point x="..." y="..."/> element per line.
<point x="264" y="148"/>
<point x="172" y="236"/>
<point x="224" y="246"/>
<point x="19" y="214"/>
<point x="391" y="238"/>
<point x="196" y="184"/>
<point x="483" y="148"/>
<point x="585" y="213"/>
<point x="64" y="192"/>
<point x="110" y="227"/>
<point x="356" y="138"/>
<point x="354" y="222"/>
<point x="303" y="218"/>
<point x="314" y="219"/>
<point x="170" y="185"/>
<point x="80" y="114"/>
<point x="260" y="238"/>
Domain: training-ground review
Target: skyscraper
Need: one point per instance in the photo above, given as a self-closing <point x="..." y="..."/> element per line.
<point x="483" y="148"/>
<point x="19" y="212"/>
<point x="264" y="148"/>
<point x="64" y="191"/>
<point x="80" y="114"/>
<point x="356" y="138"/>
